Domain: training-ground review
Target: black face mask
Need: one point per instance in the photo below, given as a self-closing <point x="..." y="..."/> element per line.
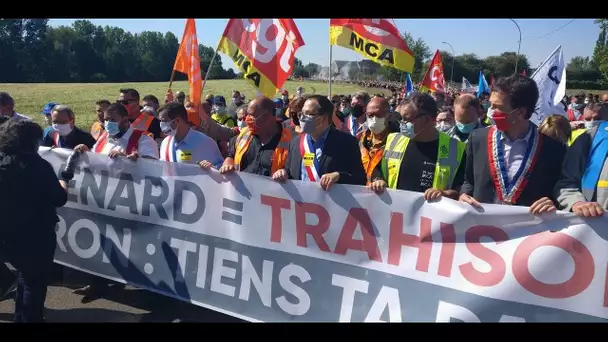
<point x="357" y="111"/>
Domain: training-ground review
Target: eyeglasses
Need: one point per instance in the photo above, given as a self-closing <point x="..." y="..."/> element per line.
<point x="403" y="120"/>
<point x="125" y="102"/>
<point x="301" y="114"/>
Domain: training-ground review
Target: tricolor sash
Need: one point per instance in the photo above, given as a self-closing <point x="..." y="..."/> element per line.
<point x="169" y="152"/>
<point x="508" y="192"/>
<point x="309" y="158"/>
<point x="351" y="124"/>
<point x="56" y="139"/>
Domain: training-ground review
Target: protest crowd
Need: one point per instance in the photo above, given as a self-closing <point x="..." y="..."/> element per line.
<point x="474" y="148"/>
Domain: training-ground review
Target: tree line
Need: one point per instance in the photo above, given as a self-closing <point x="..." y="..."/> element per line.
<point x="33" y="51"/>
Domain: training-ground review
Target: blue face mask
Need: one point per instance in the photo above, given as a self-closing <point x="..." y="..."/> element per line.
<point x="466" y="128"/>
<point x="407" y="129"/>
<point x="594" y="123"/>
<point x="112" y="128"/>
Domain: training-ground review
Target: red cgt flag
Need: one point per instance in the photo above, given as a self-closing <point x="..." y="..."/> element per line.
<point x="263" y="49"/>
<point x="434" y="79"/>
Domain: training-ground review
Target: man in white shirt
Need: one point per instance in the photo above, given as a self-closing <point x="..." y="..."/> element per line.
<point x="7" y="108"/>
<point x="120" y="140"/>
<point x="182" y="143"/>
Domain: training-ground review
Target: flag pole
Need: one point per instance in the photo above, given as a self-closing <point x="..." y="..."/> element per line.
<point x="209" y="68"/>
<point x="171" y="79"/>
<point x="330" y="59"/>
<point x="330" y="74"/>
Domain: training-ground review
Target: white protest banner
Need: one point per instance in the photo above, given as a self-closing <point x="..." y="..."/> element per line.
<point x="264" y="251"/>
<point x="467" y="86"/>
<point x="550" y="78"/>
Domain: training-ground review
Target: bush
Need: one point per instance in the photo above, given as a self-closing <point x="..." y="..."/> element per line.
<point x="98" y="78"/>
<point x="587" y="85"/>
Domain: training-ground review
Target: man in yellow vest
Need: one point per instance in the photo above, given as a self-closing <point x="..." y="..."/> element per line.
<point x="420" y="158"/>
<point x="591" y="117"/>
<point x="139" y="121"/>
<point x="262" y="146"/>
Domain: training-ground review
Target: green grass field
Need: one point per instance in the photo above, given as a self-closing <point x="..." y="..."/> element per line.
<point x="30" y="98"/>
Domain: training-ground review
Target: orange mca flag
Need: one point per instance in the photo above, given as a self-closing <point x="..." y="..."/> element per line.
<point x="376" y="39"/>
<point x="434" y="79"/>
<point x="188" y="62"/>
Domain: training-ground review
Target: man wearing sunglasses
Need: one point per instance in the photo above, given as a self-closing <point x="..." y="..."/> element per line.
<point x="261" y="146"/>
<point x="511" y="162"/>
<point x="140" y="121"/>
<point x="420" y="158"/>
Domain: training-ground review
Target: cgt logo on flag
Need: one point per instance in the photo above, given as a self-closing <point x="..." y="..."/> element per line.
<point x="263" y="49"/>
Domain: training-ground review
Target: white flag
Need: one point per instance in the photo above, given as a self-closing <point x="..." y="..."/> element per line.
<point x="550" y="78"/>
<point x="467" y="86"/>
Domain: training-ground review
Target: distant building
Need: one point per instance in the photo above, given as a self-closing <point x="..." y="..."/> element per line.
<point x="343" y="70"/>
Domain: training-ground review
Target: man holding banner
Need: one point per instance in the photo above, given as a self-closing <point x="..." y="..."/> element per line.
<point x="261" y="147"/>
<point x="420" y="158"/>
<point x="183" y="144"/>
<point x="511" y="162"/>
<point x="322" y="153"/>
<point x="583" y="186"/>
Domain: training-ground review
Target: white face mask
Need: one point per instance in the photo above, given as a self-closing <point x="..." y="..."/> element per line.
<point x="62" y="129"/>
<point x="444" y="126"/>
<point x="241" y="123"/>
<point x="166" y="128"/>
<point x="376" y="125"/>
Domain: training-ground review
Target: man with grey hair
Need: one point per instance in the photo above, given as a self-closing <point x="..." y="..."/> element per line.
<point x="63" y="132"/>
<point x="354" y="123"/>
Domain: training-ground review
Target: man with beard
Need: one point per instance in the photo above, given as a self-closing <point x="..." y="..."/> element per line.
<point x="261" y="147"/>
<point x="354" y="123"/>
<point x="511" y="162"/>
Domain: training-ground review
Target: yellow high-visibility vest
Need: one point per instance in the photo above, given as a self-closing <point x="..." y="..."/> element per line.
<point x="449" y="158"/>
<point x="575" y="134"/>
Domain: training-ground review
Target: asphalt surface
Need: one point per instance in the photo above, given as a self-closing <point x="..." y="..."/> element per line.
<point x="118" y="305"/>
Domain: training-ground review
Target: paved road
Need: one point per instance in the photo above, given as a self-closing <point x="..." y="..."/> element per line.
<point x="119" y="305"/>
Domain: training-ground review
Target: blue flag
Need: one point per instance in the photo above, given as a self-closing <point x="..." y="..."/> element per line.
<point x="482" y="85"/>
<point x="409" y="86"/>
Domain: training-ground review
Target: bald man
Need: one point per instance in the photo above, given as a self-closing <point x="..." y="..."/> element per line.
<point x="467" y="111"/>
<point x="373" y="139"/>
<point x="262" y="146"/>
<point x="605" y="98"/>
